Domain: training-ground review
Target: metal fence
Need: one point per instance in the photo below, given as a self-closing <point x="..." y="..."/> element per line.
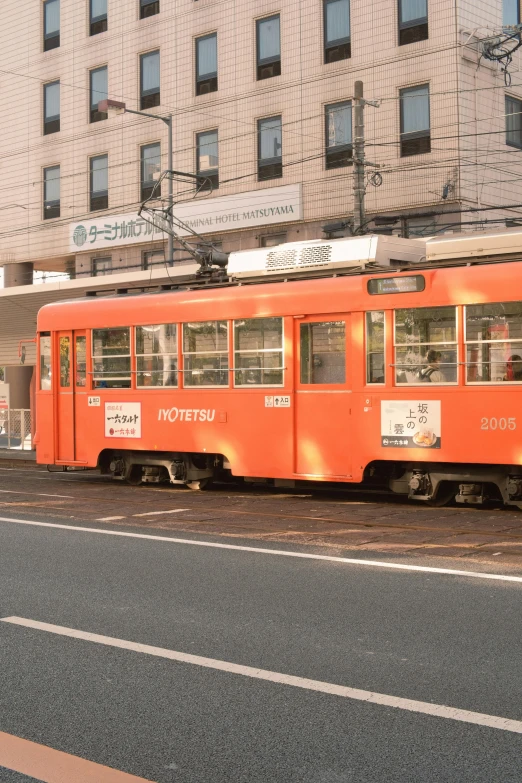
<point x="15" y="429"/>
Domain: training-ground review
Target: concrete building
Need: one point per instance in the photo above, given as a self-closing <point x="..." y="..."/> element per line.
<point x="261" y="96"/>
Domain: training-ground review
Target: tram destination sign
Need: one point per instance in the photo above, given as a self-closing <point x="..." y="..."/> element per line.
<point x="411" y="424"/>
<point x="396" y="285"/>
<point x="265" y="207"/>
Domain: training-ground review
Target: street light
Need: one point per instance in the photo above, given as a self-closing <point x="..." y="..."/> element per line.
<point x="117" y="107"/>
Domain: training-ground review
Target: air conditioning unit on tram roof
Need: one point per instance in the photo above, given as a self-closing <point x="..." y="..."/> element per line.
<point x="502" y="244"/>
<point x="365" y="253"/>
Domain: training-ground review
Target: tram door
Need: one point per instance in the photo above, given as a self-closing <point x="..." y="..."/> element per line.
<point x="323" y="396"/>
<point x="71" y="384"/>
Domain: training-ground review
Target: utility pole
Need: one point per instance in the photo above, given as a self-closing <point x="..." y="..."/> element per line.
<point x="359" y="161"/>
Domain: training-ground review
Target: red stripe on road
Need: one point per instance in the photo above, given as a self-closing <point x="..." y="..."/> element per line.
<point x="54" y="766"/>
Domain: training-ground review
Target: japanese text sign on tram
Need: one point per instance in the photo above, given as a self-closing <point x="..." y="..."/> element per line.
<point x="411" y="424"/>
<point x="123" y="419"/>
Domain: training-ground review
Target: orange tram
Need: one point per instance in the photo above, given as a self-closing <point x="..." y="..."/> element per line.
<point x="398" y="374"/>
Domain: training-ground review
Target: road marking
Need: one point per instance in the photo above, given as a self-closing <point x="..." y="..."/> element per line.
<point x="54" y="766"/>
<point x="35" y="494"/>
<point x="156" y="513"/>
<point x="108" y="519"/>
<point x="262" y="551"/>
<point x="384" y="700"/>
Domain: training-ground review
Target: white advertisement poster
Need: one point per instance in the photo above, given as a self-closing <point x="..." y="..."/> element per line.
<point x="411" y="424"/>
<point x="123" y="419"/>
<point x="4" y="396"/>
<point x="205" y="215"/>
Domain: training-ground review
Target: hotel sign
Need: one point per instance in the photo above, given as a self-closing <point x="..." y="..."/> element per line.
<point x="205" y="215"/>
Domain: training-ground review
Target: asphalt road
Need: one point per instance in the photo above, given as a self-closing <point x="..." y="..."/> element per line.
<point x="431" y="637"/>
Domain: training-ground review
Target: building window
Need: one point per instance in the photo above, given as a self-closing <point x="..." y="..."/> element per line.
<point x="494" y="343"/>
<point x="98" y="16"/>
<point x="51" y="182"/>
<point x="415" y="120"/>
<point x="205" y="354"/>
<point x="99" y="91"/>
<point x="338" y="118"/>
<point x="269" y="154"/>
<point x="51" y="108"/>
<point x="375" y="345"/>
<point x="510" y="13"/>
<point x="271" y="240"/>
<point x="268" y="39"/>
<point x="150" y="155"/>
<point x="150" y="80"/>
<point x="149" y="8"/>
<point x="153" y="258"/>
<point x="101" y="266"/>
<point x="426" y="345"/>
<point x="413" y="21"/>
<point x="207" y="159"/>
<point x="513" y="122"/>
<point x="258" y="352"/>
<point x="337" y="44"/>
<point x="111" y="359"/>
<point x="99" y="182"/>
<point x="157" y="355"/>
<point x="206" y="64"/>
<point x="51" y="24"/>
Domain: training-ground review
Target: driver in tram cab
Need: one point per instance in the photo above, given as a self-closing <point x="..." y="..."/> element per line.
<point x="432" y="373"/>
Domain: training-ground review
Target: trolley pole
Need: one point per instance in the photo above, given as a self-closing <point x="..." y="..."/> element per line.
<point x="359" y="215"/>
<point x="359" y="161"/>
<point x="170" y="166"/>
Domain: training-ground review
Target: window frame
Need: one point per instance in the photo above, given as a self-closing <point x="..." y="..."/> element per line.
<point x="512" y="99"/>
<point x="337" y="49"/>
<point x="429" y="345"/>
<point x="145" y="5"/>
<point x="212" y="175"/>
<point x="281" y="351"/>
<point x="333" y="160"/>
<point x="226" y="353"/>
<point x="151" y="97"/>
<point x="146" y="263"/>
<point x="146" y="187"/>
<point x="47" y="354"/>
<point x="487" y="342"/>
<point x="95" y="272"/>
<point x="406" y="137"/>
<point x="415" y="29"/>
<point x="51" y="125"/>
<point x="367" y="352"/>
<point x="152" y="355"/>
<point x="94" y="356"/>
<point x="51" y="208"/>
<point x="99" y="23"/>
<point x="268" y="64"/>
<point x="94" y="114"/>
<point x="274" y="164"/>
<point x="51" y="40"/>
<point x="310" y="324"/>
<point x="208" y="82"/>
<point x="104" y="194"/>
<point x="504" y="25"/>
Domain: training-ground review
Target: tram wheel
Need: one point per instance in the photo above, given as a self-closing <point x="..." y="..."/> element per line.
<point x="445" y="494"/>
<point x="198" y="485"/>
<point x="134" y="476"/>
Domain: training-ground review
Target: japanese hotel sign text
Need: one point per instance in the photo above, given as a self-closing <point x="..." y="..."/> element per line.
<point x="205" y="215"/>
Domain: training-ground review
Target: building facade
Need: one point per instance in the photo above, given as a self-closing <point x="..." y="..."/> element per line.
<point x="261" y="98"/>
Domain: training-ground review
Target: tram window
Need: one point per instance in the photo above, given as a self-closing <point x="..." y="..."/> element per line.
<point x="157" y="355"/>
<point x="81" y="366"/>
<point x="494" y="343"/>
<point x="111" y="358"/>
<point x="45" y="362"/>
<point x="258" y="352"/>
<point x="375" y="366"/>
<point x="323" y="352"/>
<point x="65" y="361"/>
<point x="205" y="353"/>
<point x="426" y="345"/>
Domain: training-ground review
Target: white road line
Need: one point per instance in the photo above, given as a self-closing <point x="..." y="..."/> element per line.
<point x="35" y="494"/>
<point x="262" y="551"/>
<point x="108" y="519"/>
<point x="382" y="699"/>
<point x="156" y="513"/>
